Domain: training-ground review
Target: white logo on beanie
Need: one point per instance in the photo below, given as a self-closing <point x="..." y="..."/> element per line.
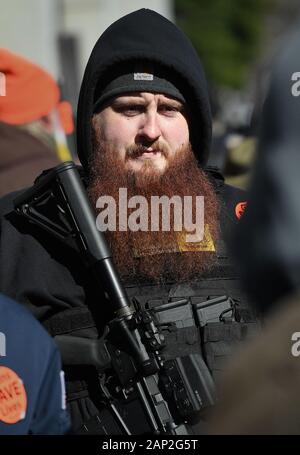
<point x="143" y="77"/>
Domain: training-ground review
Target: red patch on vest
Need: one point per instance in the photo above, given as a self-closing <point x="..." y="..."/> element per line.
<point x="240" y="208"/>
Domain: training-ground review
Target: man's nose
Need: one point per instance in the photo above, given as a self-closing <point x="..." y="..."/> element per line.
<point x="150" y="129"/>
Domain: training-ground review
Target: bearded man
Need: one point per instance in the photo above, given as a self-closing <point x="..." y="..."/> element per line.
<point x="144" y="125"/>
<point x="141" y="143"/>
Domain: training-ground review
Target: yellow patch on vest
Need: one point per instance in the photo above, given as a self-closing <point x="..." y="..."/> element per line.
<point x="206" y="244"/>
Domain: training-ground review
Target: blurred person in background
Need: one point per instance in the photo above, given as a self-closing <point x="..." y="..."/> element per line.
<point x="32" y="387"/>
<point x="260" y="391"/>
<point x="33" y="122"/>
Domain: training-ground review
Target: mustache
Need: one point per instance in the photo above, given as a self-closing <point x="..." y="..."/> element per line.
<point x="136" y="150"/>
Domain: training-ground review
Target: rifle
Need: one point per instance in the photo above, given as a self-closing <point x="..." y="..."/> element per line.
<point x="132" y="344"/>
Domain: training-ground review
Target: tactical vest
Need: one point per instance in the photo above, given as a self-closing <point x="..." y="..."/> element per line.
<point x="208" y="318"/>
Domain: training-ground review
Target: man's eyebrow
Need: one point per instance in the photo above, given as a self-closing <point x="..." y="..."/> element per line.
<point x="138" y="100"/>
<point x="127" y="100"/>
<point x="171" y="101"/>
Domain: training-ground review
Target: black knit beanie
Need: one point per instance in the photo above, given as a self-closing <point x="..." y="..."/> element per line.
<point x="136" y="77"/>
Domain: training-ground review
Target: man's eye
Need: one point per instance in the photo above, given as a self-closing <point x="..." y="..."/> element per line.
<point x="130" y="110"/>
<point x="167" y="109"/>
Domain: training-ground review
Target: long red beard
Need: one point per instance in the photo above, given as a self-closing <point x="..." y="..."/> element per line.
<point x="130" y="249"/>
